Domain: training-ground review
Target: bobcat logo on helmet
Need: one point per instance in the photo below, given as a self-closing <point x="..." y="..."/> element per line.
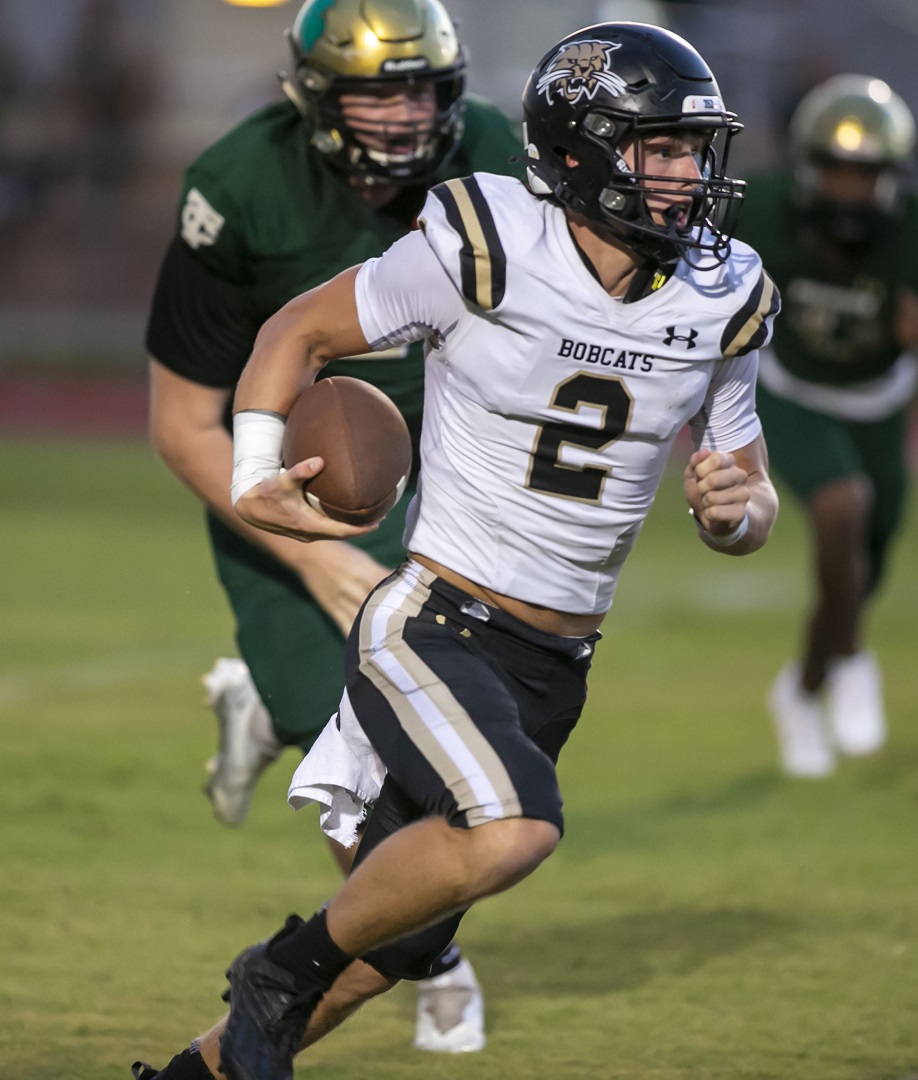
<point x="579" y="70"/>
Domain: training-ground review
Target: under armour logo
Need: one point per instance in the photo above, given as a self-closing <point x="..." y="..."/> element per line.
<point x="688" y="338"/>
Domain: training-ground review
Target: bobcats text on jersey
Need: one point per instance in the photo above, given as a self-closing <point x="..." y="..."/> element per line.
<point x="606" y="355"/>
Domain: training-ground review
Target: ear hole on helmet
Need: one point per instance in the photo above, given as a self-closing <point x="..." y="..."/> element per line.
<point x="600" y="126"/>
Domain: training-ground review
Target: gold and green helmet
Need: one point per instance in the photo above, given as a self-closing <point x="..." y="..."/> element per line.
<point x="853" y="118"/>
<point x="858" y="121"/>
<point x="378" y="48"/>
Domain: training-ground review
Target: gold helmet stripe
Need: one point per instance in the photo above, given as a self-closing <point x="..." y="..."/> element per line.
<point x="482" y="262"/>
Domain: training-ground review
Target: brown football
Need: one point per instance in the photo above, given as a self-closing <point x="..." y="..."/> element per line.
<point x="364" y="441"/>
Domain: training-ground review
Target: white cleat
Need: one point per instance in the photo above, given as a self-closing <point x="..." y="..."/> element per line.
<point x="450" y="1018"/>
<point x="855" y="699"/>
<point x="247" y="745"/>
<point x="804" y="747"/>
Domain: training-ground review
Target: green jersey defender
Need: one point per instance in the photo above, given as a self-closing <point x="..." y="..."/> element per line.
<point x="839" y="234"/>
<point x="834" y="386"/>
<point x="266" y="213"/>
<point x="837" y="323"/>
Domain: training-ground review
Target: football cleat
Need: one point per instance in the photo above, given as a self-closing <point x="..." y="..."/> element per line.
<point x="268" y="1016"/>
<point x="855" y="704"/>
<point x="804" y="747"/>
<point x="247" y="745"/>
<point x="450" y="1016"/>
<point x="140" y="1070"/>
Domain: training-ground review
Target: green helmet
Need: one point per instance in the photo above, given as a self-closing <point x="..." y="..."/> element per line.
<point x="855" y="120"/>
<point x="371" y="47"/>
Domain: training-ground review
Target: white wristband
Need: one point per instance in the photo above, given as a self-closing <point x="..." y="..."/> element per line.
<point x="257" y="438"/>
<point x="725" y="540"/>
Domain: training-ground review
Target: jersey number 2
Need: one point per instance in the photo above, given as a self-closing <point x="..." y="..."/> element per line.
<point x="581" y="482"/>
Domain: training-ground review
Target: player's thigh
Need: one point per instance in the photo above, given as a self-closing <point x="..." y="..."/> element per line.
<point x="469" y="717"/>
<point x="807" y="450"/>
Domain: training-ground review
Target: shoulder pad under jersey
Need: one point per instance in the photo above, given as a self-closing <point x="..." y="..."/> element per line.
<point x="464" y="221"/>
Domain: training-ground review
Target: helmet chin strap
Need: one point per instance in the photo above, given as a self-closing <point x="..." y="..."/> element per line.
<point x="537" y="185"/>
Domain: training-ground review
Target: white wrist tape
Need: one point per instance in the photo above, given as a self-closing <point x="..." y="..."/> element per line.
<point x="725" y="540"/>
<point x="257" y="438"/>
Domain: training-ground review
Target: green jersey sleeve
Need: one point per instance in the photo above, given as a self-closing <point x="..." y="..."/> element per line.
<point x="489" y="142"/>
<point x="838" y="327"/>
<point x="210" y="225"/>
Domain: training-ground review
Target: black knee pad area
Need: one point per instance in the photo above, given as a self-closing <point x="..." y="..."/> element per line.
<point x="412" y="957"/>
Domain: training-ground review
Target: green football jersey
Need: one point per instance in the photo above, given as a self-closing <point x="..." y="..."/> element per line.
<point x="263" y="212"/>
<point x="837" y="321"/>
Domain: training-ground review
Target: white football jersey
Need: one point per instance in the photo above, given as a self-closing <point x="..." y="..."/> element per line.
<point x="550" y="408"/>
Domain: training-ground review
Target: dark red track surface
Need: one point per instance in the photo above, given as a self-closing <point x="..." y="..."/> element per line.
<point x="46" y="406"/>
<point x="72" y="405"/>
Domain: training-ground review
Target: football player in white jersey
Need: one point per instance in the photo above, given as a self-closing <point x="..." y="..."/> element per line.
<point x="574" y="324"/>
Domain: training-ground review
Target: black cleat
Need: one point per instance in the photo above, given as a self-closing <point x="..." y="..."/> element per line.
<point x="268" y="1015"/>
<point x="142" y="1071"/>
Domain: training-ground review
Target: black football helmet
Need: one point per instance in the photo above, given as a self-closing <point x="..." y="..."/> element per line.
<point x="610" y="85"/>
<point x="371" y="46"/>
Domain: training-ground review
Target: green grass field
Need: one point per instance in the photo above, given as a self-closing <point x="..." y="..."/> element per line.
<point x="702" y="919"/>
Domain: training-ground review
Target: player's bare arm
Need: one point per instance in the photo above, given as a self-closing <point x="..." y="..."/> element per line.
<point x="290" y="350"/>
<point x="732" y="497"/>
<point x="295" y="344"/>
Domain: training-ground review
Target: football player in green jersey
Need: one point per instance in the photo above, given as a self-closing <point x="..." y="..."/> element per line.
<point x="839" y="235"/>
<point x="374" y="114"/>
